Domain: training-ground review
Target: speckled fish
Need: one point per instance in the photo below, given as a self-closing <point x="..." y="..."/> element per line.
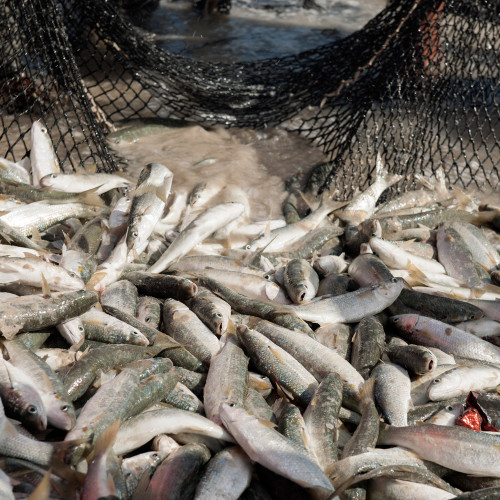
<point x="149" y="310"/>
<point x="43" y="157"/>
<point x="226" y="476"/>
<point x="365" y="436"/>
<point x="362" y="206"/>
<point x="462" y="380"/>
<point x="185" y="327"/>
<point x="103" y="358"/>
<point x="29" y="271"/>
<point x="57" y="404"/>
<point x="140" y="429"/>
<point x="122" y="295"/>
<point x="219" y="388"/>
<point x="34" y="312"/>
<point x="431" y="332"/>
<point x="415" y="358"/>
<point x="351" y="307"/>
<point x="456" y="448"/>
<point x="106" y="328"/>
<point x="20" y="398"/>
<point x="177" y="473"/>
<point x="301" y="281"/>
<point x="316" y="358"/>
<point x="15" y="444"/>
<point x="162" y="285"/>
<point x="115" y="399"/>
<point x="278" y="365"/>
<point x="321" y="419"/>
<point x="368" y="345"/>
<point x="457" y="259"/>
<point x="212" y="310"/>
<point x="392" y="392"/>
<point x="78" y="183"/>
<point x="202" y="227"/>
<point x="265" y="445"/>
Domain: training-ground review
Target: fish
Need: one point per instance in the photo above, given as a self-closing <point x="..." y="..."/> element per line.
<point x="362" y="207"/>
<point x="204" y="225"/>
<point x="78" y="183"/>
<point x="43" y="157"/>
<point x="263" y="444"/>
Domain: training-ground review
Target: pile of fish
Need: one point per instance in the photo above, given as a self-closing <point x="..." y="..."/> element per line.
<point x="160" y="346"/>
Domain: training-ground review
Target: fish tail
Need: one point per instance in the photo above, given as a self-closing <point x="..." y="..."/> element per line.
<point x="366" y="391"/>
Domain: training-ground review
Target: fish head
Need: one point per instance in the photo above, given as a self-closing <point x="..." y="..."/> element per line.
<point x="133" y="232"/>
<point x="231" y="413"/>
<point x="61" y="413"/>
<point x="445" y="386"/>
<point x="26" y="404"/>
<point x="406" y="323"/>
<point x="137" y="338"/>
<point x="389" y="288"/>
<point x="48" y="181"/>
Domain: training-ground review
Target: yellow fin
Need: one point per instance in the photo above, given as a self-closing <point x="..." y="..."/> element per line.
<point x="45" y="287"/>
<point x="278" y="355"/>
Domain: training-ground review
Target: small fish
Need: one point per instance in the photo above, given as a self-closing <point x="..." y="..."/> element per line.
<point x="78" y="183"/>
<point x="43" y="157"/>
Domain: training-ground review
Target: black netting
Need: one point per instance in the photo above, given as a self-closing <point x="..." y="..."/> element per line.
<point x="418" y="85"/>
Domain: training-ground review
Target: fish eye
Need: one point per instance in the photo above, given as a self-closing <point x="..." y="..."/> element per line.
<point x="32" y="409"/>
<point x="247" y="247"/>
<point x="148" y="319"/>
<point x="80" y="328"/>
<point x="449" y="408"/>
<point x="52" y="176"/>
<point x="218" y="315"/>
<point x="135" y="234"/>
<point x="155" y="455"/>
<point x="232" y="405"/>
<point x="72" y="274"/>
<point x="267" y="276"/>
<point x="65" y="408"/>
<point x="436" y="381"/>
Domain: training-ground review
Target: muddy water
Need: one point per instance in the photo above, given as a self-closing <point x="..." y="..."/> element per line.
<point x="238" y="162"/>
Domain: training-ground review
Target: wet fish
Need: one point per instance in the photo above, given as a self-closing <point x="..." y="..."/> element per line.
<point x="268" y="447"/>
<point x="204" y="225"/>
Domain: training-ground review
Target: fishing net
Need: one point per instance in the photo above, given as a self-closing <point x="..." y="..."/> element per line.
<point x="418" y="85"/>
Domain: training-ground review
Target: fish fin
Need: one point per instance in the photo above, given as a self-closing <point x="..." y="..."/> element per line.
<point x="45" y="287"/>
<point x="266" y="423"/>
<point x="276" y="353"/>
<point x="35" y="235"/>
<point x="6" y="237"/>
<point x="75" y="347"/>
<point x="91" y="197"/>
<point x="67" y="242"/>
<point x="283" y="393"/>
<point x="42" y="491"/>
<point x="105" y="441"/>
<point x="366" y="391"/>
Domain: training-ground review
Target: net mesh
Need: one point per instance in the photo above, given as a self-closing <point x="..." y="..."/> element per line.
<point x="418" y="85"/>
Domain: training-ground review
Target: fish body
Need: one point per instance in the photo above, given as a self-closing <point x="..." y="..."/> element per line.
<point x="265" y="445"/>
<point x="43" y="157"/>
<point x="204" y="225"/>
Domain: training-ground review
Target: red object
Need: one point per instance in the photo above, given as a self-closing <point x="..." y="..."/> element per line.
<point x="470" y="419"/>
<point x="473" y="416"/>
